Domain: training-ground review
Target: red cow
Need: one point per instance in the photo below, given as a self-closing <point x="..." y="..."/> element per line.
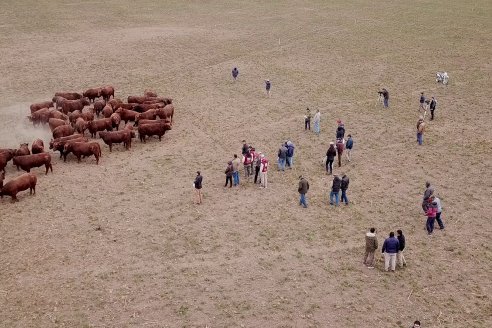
<point x="73" y="116"/>
<point x="55" y="122"/>
<point x="107" y="111"/>
<point x="88" y="114"/>
<point x="141" y="108"/>
<point x="107" y="92"/>
<point x="20" y="183"/>
<point x="151" y="114"/>
<point x="100" y="125"/>
<point x="85" y="149"/>
<point x="57" y="114"/>
<point x="98" y="106"/>
<point x="27" y="162"/>
<point x="63" y="139"/>
<point x="5" y="156"/>
<point x="127" y="115"/>
<point x="37" y="146"/>
<point x="114" y="103"/>
<point x="166" y="112"/>
<point x="23" y="150"/>
<point x="150" y="93"/>
<point x="69" y="95"/>
<point x="63" y="131"/>
<point x="40" y="116"/>
<point x="153" y="129"/>
<point x="58" y="101"/>
<point x="81" y="125"/>
<point x="59" y="144"/>
<point x="38" y="106"/>
<point x="124" y="136"/>
<point x="116" y="120"/>
<point x="92" y="94"/>
<point x="69" y="106"/>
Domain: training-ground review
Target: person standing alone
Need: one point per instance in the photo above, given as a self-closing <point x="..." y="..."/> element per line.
<point x="390" y="248"/>
<point x="420" y="130"/>
<point x="386" y="98"/>
<point x="235" y="73"/>
<point x="399" y="256"/>
<point x="307" y="119"/>
<point x="198" y="187"/>
<point x="268" y="86"/>
<point x="303" y="189"/>
<point x="371" y="247"/>
<point x="432" y="106"/>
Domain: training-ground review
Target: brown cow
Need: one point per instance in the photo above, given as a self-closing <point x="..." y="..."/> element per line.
<point x="92" y="94"/>
<point x="100" y="125"/>
<point x="107" y="92"/>
<point x="114" y="103"/>
<point x="151" y="114"/>
<point x="55" y="122"/>
<point x="98" y="106"/>
<point x="107" y="111"/>
<point x="156" y="100"/>
<point x="5" y="156"/>
<point x="73" y="116"/>
<point x="57" y="114"/>
<point x="69" y="106"/>
<point x="166" y="112"/>
<point x="38" y="106"/>
<point x="37" y="146"/>
<point x="81" y="125"/>
<point x="69" y="95"/>
<point x="62" y="139"/>
<point x="116" y="120"/>
<point x="150" y="93"/>
<point x="85" y="149"/>
<point x="143" y="99"/>
<point x="130" y="106"/>
<point x="23" y="150"/>
<point x="27" y="162"/>
<point x="20" y="183"/>
<point x="127" y="115"/>
<point x="58" y="101"/>
<point x="153" y="129"/>
<point x="124" y="136"/>
<point x="40" y="116"/>
<point x="63" y="131"/>
<point x="141" y="108"/>
<point x="59" y="144"/>
<point x="87" y="115"/>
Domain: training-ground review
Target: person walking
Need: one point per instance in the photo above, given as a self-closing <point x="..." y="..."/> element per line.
<point x="268" y="86"/>
<point x="316" y="121"/>
<point x="340" y="133"/>
<point x="344" y="186"/>
<point x="390" y="249"/>
<point x="429" y="191"/>
<point x="303" y="189"/>
<point x="235" y="73"/>
<point x="431" y="215"/>
<point x="420" y="130"/>
<point x="335" y="189"/>
<point x="371" y="247"/>
<point x="235" y="170"/>
<point x="290" y="153"/>
<point x="330" y="157"/>
<point x="432" y="107"/>
<point x="422" y="101"/>
<point x="257" y="163"/>
<point x="282" y="157"/>
<point x="348" y="146"/>
<point x="386" y="97"/>
<point x="264" y="171"/>
<point x="340" y="147"/>
<point x="307" y="119"/>
<point x="438" y="214"/>
<point x="229" y="172"/>
<point x="198" y="187"/>
<point x="247" y="161"/>
<point x="399" y="256"/>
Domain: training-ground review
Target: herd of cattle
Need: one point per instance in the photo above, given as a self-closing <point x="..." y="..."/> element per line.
<point x="69" y="115"/>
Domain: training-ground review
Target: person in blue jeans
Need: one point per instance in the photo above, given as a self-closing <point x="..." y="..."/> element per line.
<point x="344" y="186"/>
<point x="335" y="189"/>
<point x="303" y="189"/>
<point x="282" y="157"/>
<point x="348" y="146"/>
<point x="438" y="214"/>
<point x="290" y="153"/>
<point x="235" y="170"/>
<point x="386" y="98"/>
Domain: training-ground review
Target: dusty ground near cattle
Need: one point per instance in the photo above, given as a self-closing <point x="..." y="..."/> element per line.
<point x="122" y="245"/>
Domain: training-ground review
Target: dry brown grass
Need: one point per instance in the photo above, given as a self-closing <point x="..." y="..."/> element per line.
<point x="122" y="245"/>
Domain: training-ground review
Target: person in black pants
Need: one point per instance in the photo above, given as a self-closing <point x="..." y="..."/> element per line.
<point x="330" y="157"/>
<point x="198" y="187"/>
<point x="257" y="164"/>
<point x="432" y="107"/>
<point x="228" y="173"/>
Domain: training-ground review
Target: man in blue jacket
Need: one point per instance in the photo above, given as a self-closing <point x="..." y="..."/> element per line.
<point x="290" y="153"/>
<point x="391" y="246"/>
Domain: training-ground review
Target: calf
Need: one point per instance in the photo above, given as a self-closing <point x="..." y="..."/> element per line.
<point x="27" y="162"/>
<point x="23" y="150"/>
<point x="37" y="146"/>
<point x="153" y="129"/>
<point x="62" y="131"/>
<point x="38" y="106"/>
<point x="85" y="149"/>
<point x="100" y="125"/>
<point x="20" y="183"/>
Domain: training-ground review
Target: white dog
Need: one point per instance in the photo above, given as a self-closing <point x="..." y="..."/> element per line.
<point x="442" y="77"/>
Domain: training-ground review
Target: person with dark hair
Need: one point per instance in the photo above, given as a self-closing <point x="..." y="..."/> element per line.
<point x="431" y="215"/>
<point x="344" y="186"/>
<point x="245" y="148"/>
<point x="303" y="189"/>
<point x="235" y="73"/>
<point x="198" y="187"/>
<point x="268" y="86"/>
<point x="420" y="130"/>
<point x="432" y="106"/>
<point x="416" y="324"/>
<point x="371" y="247"/>
<point x="386" y="97"/>
<point x="335" y="189"/>
<point x="228" y="172"/>
<point x="282" y="157"/>
<point x="330" y="157"/>
<point x="340" y="133"/>
<point x="257" y="163"/>
<point x="307" y="119"/>
<point x="235" y="170"/>
<point x="340" y="148"/>
<point x="390" y="248"/>
<point x="399" y="256"/>
<point x="429" y="191"/>
<point x="422" y="101"/>
<point x="439" y="211"/>
<point x="348" y="146"/>
<point x="290" y="153"/>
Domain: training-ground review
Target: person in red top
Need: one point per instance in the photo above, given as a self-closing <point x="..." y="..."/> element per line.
<point x="264" y="171"/>
<point x="340" y="148"/>
<point x="431" y="215"/>
<point x="247" y="161"/>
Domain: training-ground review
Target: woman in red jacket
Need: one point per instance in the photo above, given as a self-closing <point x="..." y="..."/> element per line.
<point x="431" y="215"/>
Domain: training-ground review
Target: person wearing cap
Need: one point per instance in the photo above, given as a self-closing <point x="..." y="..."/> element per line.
<point x="390" y="248"/>
<point x="290" y="153"/>
<point x="257" y="164"/>
<point x="303" y="189"/>
<point x="316" y="121"/>
<point x="431" y="215"/>
<point x="330" y="157"/>
<point x="268" y="86"/>
<point x="335" y="189"/>
<point x="263" y="171"/>
<point x="235" y="73"/>
<point x="307" y="119"/>
<point x="432" y="107"/>
<point x="198" y="187"/>
<point x="282" y="157"/>
<point x="228" y="173"/>
<point x="420" y="130"/>
<point x="235" y="170"/>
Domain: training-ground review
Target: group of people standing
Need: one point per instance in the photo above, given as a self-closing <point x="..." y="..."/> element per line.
<point x="392" y="250"/>
<point x="425" y="104"/>
<point x="316" y="121"/>
<point x="432" y="207"/>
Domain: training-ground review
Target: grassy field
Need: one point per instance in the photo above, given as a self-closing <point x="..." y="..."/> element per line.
<point x="121" y="244"/>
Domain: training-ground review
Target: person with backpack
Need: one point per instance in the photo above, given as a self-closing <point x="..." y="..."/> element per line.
<point x="399" y="256"/>
<point x="432" y="106"/>
<point x="340" y="148"/>
<point x="290" y="153"/>
<point x="348" y="146"/>
<point x="420" y="130"/>
<point x="344" y="186"/>
<point x="330" y="157"/>
<point x="303" y="189"/>
<point x="235" y="73"/>
<point x="335" y="189"/>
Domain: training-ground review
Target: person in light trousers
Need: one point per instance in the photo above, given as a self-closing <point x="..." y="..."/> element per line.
<point x="391" y="246"/>
<point x="399" y="256"/>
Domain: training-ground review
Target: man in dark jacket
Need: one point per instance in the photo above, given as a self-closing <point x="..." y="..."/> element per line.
<point x="235" y="73"/>
<point x="290" y="153"/>
<point x="432" y="106"/>
<point x="198" y="187"/>
<point x="390" y="248"/>
<point x="344" y="186"/>
<point x="303" y="189"/>
<point x="386" y="97"/>
<point x="282" y="157"/>
<point x="335" y="189"/>
<point x="429" y="191"/>
<point x="330" y="157"/>
<point x="400" y="257"/>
